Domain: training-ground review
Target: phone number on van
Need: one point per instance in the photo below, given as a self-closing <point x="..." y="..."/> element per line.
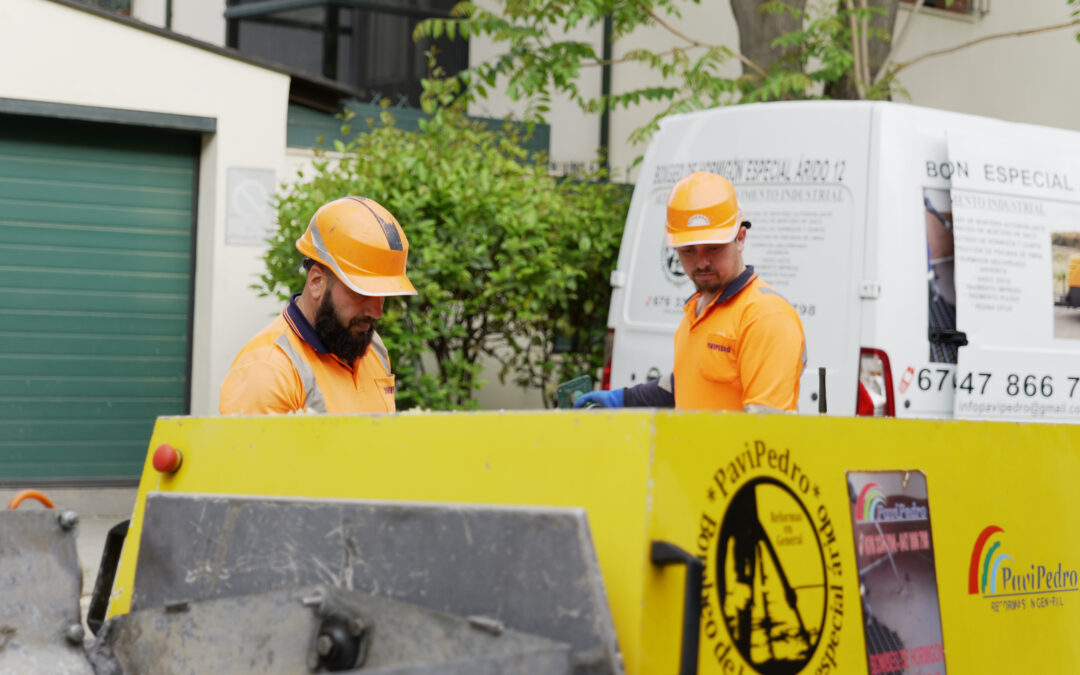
<point x="978" y="384"/>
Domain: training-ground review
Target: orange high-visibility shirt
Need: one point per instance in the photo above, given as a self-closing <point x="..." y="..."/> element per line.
<point x="745" y="351"/>
<point x="286" y="368"/>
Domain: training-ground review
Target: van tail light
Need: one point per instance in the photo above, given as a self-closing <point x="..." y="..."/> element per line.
<point x="864" y="405"/>
<point x="609" y="347"/>
<point x="875" y="396"/>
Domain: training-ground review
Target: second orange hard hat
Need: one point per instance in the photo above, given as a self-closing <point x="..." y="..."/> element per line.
<point x="362" y="244"/>
<point x="702" y="209"/>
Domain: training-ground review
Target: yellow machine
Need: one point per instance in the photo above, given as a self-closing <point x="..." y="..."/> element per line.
<point x="825" y="545"/>
<point x="1072" y="295"/>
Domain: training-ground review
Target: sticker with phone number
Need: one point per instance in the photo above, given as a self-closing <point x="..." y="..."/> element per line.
<point x="983" y="394"/>
<point x="1015" y="384"/>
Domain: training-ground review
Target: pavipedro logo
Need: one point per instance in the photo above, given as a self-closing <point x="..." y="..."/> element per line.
<point x="993" y="572"/>
<point x="986" y="560"/>
<point x="869" y="498"/>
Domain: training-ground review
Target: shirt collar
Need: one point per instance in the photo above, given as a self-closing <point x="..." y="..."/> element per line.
<point x="300" y="325"/>
<point x="730" y="291"/>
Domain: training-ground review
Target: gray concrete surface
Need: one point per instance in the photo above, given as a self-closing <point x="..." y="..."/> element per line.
<point x="99" y="509"/>
<point x="1067" y="323"/>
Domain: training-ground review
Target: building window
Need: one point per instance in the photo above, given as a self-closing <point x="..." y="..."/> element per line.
<point x="367" y="45"/>
<point x="122" y="7"/>
<point x="965" y="7"/>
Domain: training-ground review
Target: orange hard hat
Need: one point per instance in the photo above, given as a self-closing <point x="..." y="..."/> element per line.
<point x="702" y="209"/>
<point x="362" y="244"/>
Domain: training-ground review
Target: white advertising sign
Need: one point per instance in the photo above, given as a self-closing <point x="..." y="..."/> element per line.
<point x="250" y="215"/>
<point x="1016" y="220"/>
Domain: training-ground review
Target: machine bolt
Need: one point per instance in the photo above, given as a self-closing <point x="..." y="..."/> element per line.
<point x="324" y="645"/>
<point x="357" y="627"/>
<point x="75" y="634"/>
<point x="68" y="519"/>
<point x="316" y="599"/>
<point x="487" y="624"/>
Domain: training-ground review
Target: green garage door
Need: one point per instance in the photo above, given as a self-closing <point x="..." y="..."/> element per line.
<point x="95" y="294"/>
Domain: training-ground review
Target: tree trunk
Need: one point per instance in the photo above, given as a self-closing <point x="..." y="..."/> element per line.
<point x="758" y="29"/>
<point x="879" y="49"/>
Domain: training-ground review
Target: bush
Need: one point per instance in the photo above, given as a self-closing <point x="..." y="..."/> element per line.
<point x="504" y="256"/>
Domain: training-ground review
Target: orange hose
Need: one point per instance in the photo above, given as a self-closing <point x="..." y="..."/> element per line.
<point x="29" y="494"/>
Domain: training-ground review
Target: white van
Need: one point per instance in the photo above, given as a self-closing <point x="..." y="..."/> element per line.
<point x="900" y="234"/>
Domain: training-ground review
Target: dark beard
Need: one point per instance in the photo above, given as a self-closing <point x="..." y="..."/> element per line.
<point x="338" y="338"/>
<point x="714" y="288"/>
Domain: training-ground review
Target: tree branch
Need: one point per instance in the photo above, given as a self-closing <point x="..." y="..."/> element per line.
<point x="627" y="59"/>
<point x="864" y="42"/>
<point x="679" y="34"/>
<point x="897" y="43"/>
<point x="856" y="51"/>
<point x="986" y="38"/>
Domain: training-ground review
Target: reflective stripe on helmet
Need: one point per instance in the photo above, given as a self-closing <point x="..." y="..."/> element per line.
<point x="320" y="248"/>
<point x="313" y="399"/>
<point x="393" y="239"/>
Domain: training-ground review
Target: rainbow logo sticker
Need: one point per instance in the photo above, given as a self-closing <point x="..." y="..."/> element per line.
<point x="868" y="501"/>
<point x="986" y="560"/>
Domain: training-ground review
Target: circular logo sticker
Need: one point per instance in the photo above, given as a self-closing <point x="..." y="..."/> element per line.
<point x="669" y="263"/>
<point x="698" y="220"/>
<point x="771" y="577"/>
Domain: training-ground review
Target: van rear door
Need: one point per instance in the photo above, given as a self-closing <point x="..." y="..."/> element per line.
<point x="1017" y="228"/>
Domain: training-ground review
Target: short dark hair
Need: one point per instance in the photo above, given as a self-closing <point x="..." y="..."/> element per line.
<point x="309" y="263"/>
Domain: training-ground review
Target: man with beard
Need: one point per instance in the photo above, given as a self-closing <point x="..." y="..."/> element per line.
<point x="740" y="345"/>
<point x="322" y="353"/>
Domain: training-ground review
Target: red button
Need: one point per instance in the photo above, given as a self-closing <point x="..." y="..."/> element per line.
<point x="167" y="459"/>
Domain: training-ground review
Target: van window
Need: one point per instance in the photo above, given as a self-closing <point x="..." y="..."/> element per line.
<point x="941" y="317"/>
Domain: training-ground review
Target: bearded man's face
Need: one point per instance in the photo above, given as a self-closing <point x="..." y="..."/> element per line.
<point x="345" y="321"/>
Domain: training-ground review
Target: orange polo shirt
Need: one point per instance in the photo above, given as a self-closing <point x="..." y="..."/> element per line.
<point x="287" y="369"/>
<point x="745" y="351"/>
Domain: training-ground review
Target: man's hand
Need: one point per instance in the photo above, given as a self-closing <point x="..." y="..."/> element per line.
<point x="601" y="399"/>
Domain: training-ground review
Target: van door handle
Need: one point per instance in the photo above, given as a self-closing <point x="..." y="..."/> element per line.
<point x="947" y="336"/>
<point x="663" y="554"/>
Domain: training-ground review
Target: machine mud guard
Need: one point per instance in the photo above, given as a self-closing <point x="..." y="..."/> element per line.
<point x="40" y="582"/>
<point x="532" y="569"/>
<point x="316" y="629"/>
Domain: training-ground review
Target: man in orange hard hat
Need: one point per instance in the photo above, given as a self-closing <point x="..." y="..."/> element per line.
<point x="740" y="345"/>
<point x="322" y="353"/>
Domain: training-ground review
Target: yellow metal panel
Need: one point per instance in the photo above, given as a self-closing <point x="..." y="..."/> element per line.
<point x="1021" y="478"/>
<point x="644" y="475"/>
<point x="598" y="461"/>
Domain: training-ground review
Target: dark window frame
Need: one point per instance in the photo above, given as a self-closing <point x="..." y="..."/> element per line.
<point x="973" y="8"/>
<point x="269" y="12"/>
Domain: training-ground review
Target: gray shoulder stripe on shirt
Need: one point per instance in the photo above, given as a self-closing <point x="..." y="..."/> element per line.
<point x="752" y="408"/>
<point x="380" y="350"/>
<point x="771" y="291"/>
<point x="667" y="383"/>
<point x="313" y="399"/>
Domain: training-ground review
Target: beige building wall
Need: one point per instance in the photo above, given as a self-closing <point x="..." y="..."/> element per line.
<point x="93" y="61"/>
<point x="1026" y="79"/>
<point x="200" y="19"/>
<point x="1023" y="79"/>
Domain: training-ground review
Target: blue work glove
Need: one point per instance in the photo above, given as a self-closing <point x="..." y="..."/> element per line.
<point x="601" y="399"/>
